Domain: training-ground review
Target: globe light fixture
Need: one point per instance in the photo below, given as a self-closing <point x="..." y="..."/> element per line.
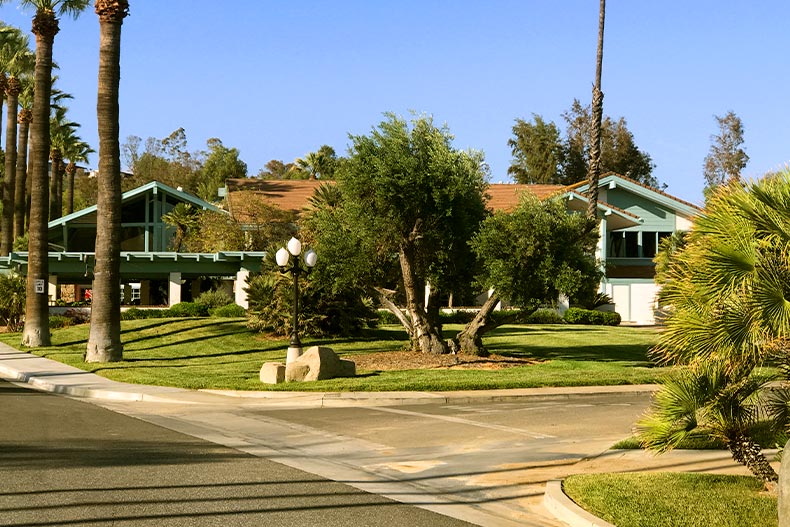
<point x="283" y="258"/>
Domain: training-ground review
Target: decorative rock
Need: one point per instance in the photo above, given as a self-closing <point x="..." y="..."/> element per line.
<point x="272" y="373"/>
<point x="318" y="363"/>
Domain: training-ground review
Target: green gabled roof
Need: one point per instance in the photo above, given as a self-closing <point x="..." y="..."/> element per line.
<point x="154" y="186"/>
<point x="650" y="193"/>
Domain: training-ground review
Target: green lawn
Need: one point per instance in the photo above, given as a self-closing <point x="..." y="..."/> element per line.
<point x="223" y="354"/>
<point x="674" y="499"/>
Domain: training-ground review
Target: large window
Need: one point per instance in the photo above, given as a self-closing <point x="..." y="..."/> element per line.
<point x="631" y="244"/>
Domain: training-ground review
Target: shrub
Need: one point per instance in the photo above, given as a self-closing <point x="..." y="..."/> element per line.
<point x="545" y="316"/>
<point x="228" y="311"/>
<point x="134" y="313"/>
<point x="385" y="316"/>
<point x="214" y="298"/>
<point x="59" y="321"/>
<point x="322" y="312"/>
<point x="457" y="317"/>
<point x="76" y="316"/>
<point x="576" y="315"/>
<point x="187" y="309"/>
<point x="12" y="301"/>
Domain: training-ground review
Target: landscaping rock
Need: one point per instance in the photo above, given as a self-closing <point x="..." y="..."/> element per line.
<point x="318" y="363"/>
<point x="272" y="373"/>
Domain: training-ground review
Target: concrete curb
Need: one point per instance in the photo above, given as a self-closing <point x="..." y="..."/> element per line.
<point x="565" y="509"/>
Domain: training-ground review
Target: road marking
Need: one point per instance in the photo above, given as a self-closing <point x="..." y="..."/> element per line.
<point x="501" y="428"/>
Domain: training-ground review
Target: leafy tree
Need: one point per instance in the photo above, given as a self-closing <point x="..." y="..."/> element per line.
<point x="62" y="134"/>
<point x="275" y="169"/>
<point x="12" y="301"/>
<point x="45" y="27"/>
<point x="165" y="160"/>
<point x="104" y="339"/>
<point x="619" y="153"/>
<point x="410" y="199"/>
<point x="730" y="305"/>
<point x="528" y="257"/>
<point x="542" y="155"/>
<point x="537" y="151"/>
<point x="726" y="158"/>
<point x="222" y="163"/>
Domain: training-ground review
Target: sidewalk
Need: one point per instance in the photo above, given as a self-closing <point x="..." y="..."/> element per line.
<point x="55" y="377"/>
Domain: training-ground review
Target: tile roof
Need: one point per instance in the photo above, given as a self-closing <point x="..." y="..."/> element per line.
<point x="505" y="196"/>
<point x="288" y="195"/>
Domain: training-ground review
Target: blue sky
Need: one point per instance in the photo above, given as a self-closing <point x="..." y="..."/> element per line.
<point x="279" y="79"/>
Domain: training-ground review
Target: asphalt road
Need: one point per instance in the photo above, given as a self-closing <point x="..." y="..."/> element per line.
<point x="484" y="462"/>
<point x="66" y="462"/>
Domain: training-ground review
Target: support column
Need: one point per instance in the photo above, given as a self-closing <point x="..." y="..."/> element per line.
<point x="127" y="293"/>
<point x="145" y="292"/>
<point x="174" y="289"/>
<point x="53" y="290"/>
<point x="239" y="294"/>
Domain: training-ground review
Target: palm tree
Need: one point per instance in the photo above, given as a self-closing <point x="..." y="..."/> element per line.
<point x="310" y="164"/>
<point x="709" y="400"/>
<point x="16" y="59"/>
<point x="24" y="119"/>
<point x="45" y="27"/>
<point x="104" y="340"/>
<point x="76" y="151"/>
<point x="597" y="116"/>
<point x="61" y="132"/>
<point x="183" y="217"/>
<point x="729" y="312"/>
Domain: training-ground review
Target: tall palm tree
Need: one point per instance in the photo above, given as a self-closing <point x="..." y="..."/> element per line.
<point x="16" y="59"/>
<point x="76" y="151"/>
<point x="104" y="339"/>
<point x="61" y="132"/>
<point x="24" y="119"/>
<point x="183" y="217"/>
<point x="597" y="117"/>
<point x="45" y="27"/>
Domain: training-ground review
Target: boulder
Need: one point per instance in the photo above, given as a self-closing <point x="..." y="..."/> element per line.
<point x="318" y="363"/>
<point x="272" y="373"/>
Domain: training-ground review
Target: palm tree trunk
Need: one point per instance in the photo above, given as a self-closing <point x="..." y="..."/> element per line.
<point x="71" y="169"/>
<point x="7" y="220"/>
<point x="748" y="453"/>
<point x="20" y="196"/>
<point x="55" y="171"/>
<point x="36" y="332"/>
<point x="597" y="117"/>
<point x="104" y="340"/>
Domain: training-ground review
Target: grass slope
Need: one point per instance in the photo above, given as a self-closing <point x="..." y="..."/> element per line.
<point x="674" y="499"/>
<point x="224" y="354"/>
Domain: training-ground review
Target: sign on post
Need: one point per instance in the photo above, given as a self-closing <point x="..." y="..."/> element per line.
<point x="40" y="286"/>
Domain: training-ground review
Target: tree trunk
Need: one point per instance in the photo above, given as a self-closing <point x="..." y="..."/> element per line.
<point x="425" y="336"/>
<point x="389" y="304"/>
<point x="470" y="339"/>
<point x="104" y="340"/>
<point x="594" y="173"/>
<point x="20" y="194"/>
<point x="56" y="171"/>
<point x="748" y="453"/>
<point x="36" y="332"/>
<point x="9" y="178"/>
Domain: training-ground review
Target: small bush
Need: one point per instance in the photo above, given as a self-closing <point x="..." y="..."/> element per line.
<point x="385" y="316"/>
<point x="12" y="300"/>
<point x="59" y="321"/>
<point x="457" y="317"/>
<point x="187" y="309"/>
<point x="228" y="311"/>
<point x="213" y="299"/>
<point x="545" y="316"/>
<point x="76" y="316"/>
<point x="134" y="313"/>
<point x="577" y="315"/>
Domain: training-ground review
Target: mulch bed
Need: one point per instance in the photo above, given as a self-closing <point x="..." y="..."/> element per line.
<point x="414" y="360"/>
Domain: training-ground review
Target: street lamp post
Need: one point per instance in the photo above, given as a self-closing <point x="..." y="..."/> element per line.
<point x="283" y="258"/>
